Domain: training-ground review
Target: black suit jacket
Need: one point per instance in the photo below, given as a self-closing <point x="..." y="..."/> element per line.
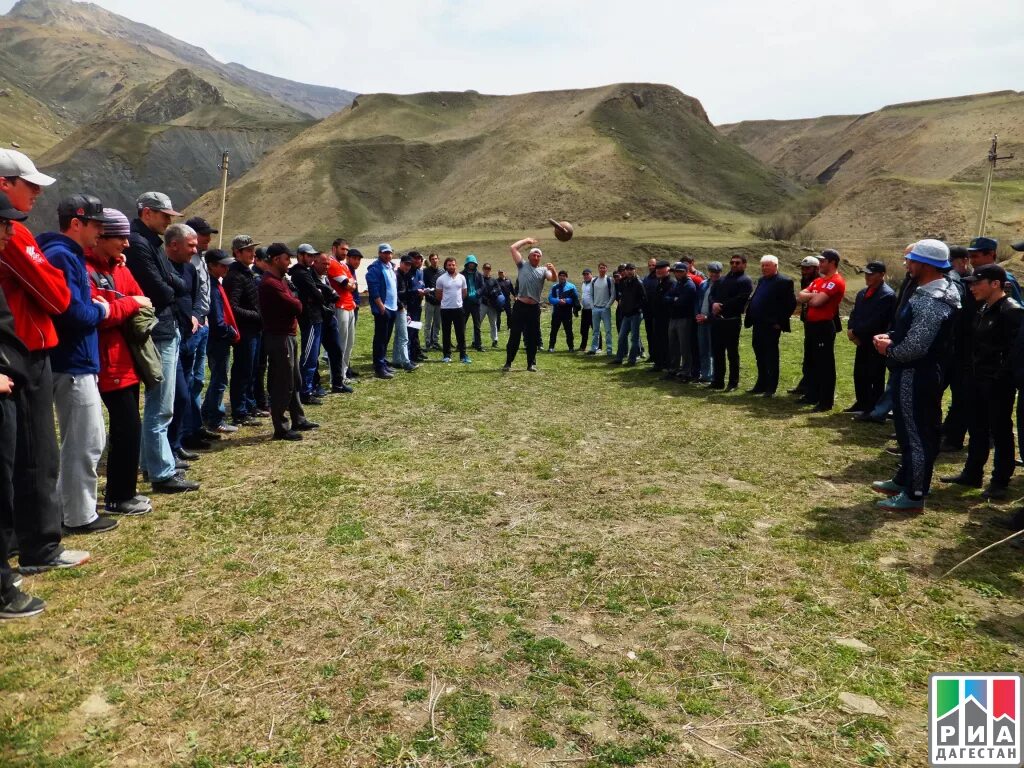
<point x="778" y="305"/>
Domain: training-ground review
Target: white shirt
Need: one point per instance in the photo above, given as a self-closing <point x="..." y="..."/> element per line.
<point x="451" y="290"/>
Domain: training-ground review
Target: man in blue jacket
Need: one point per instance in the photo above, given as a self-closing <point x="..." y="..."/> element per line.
<point x="871" y="316"/>
<point x="76" y="365"/>
<point x="682" y="300"/>
<point x="382" y="290"/>
<point x="564" y="299"/>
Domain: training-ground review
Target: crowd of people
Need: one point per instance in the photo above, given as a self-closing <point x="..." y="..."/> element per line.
<point x="183" y="344"/>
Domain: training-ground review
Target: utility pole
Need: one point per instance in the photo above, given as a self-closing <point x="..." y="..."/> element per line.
<point x="993" y="158"/>
<point x="223" y="197"/>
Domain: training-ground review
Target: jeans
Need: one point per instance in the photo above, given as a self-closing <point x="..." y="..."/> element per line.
<point x="629" y="334"/>
<point x="347" y="335"/>
<point x="200" y="340"/>
<point x="82" y="436"/>
<point x="431" y="324"/>
<point x="218" y="352"/>
<point x="415" y="348"/>
<point x="157" y="459"/>
<point x="330" y="339"/>
<point x="493" y="315"/>
<point x="122" y="443"/>
<point x="400" y="348"/>
<point x="765" y="341"/>
<point x="243" y="368"/>
<point x="706" y="368"/>
<point x="602" y="317"/>
<point x="176" y="431"/>
<point x="308" y="359"/>
<point x="383" y="325"/>
<point x="472" y="310"/>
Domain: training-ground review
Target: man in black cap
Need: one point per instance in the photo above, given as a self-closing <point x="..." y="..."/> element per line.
<point x="223" y="335"/>
<point x="985" y="250"/>
<point x="200" y="339"/>
<point x="729" y="297"/>
<point x="414" y="306"/>
<point x="682" y="309"/>
<point x="660" y="315"/>
<point x="311" y="321"/>
<point x="632" y="300"/>
<point x="280" y="309"/>
<point x="768" y="313"/>
<point x="871" y="315"/>
<point x="242" y="289"/>
<point x="997" y="324"/>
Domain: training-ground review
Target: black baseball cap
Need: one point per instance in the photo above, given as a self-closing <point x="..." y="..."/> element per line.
<point x="8" y="212"/>
<point x="987" y="272"/>
<point x="217" y="256"/>
<point x="278" y="249"/>
<point x="406" y="259"/>
<point x="629" y="265"/>
<point x="355" y="252"/>
<point x="875" y="268"/>
<point x="201" y="226"/>
<point x="830" y="254"/>
<point x="661" y="264"/>
<point x="84" y="207"/>
<point x="1018" y="246"/>
<point x="958" y="252"/>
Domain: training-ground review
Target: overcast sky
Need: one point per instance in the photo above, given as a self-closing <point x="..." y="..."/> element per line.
<point x="744" y="59"/>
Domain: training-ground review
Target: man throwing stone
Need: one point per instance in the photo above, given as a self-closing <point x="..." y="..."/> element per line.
<point x="525" y="320"/>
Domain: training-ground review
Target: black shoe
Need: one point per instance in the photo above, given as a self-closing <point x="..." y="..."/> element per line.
<point x="351" y="374"/>
<point x="262" y="413"/>
<point x="592" y="352"/>
<point x="310" y="400"/>
<point x="994" y="491"/>
<point x="755" y="391"/>
<point x="181" y="464"/>
<point x="342" y="389"/>
<point x="821" y="408"/>
<point x="807" y="401"/>
<point x="381" y="373"/>
<point x="716" y="386"/>
<point x="186" y="455"/>
<point x="101" y="524"/>
<point x="320" y="392"/>
<point x="245" y="422"/>
<point x="305" y="426"/>
<point x="961" y="479"/>
<point x="206" y="434"/>
<point x="894" y="450"/>
<point x="175" y="484"/>
<point x="481" y="349"/>
<point x="732" y="387"/>
<point x="290" y="434"/>
<point x="767" y="394"/>
<point x="630" y="362"/>
<point x="17" y="605"/>
<point x="866" y="416"/>
<point x="796" y="391"/>
<point x="853" y="409"/>
<point x="196" y="443"/>
<point x="494" y="345"/>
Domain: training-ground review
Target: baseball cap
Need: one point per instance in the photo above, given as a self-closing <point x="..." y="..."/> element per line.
<point x="307" y="249"/>
<point x="661" y="264"/>
<point x="830" y="254"/>
<point x="987" y="272"/>
<point x="957" y="252"/>
<point x="810" y="261"/>
<point x="156" y="201"/>
<point x="84" y="207"/>
<point x="406" y="259"/>
<point x="238" y="242"/>
<point x="8" y="212"/>
<point x="383" y="248"/>
<point x="278" y="249"/>
<point x="14" y="163"/>
<point x="875" y="268"/>
<point x="629" y="265"/>
<point x="1018" y="246"/>
<point x="935" y="253"/>
<point x="715" y="266"/>
<point x="680" y="266"/>
<point x="261" y="254"/>
<point x="587" y="271"/>
<point x="217" y="256"/>
<point x="355" y="253"/>
<point x="983" y="244"/>
<point x="116" y="223"/>
<point x="201" y="226"/>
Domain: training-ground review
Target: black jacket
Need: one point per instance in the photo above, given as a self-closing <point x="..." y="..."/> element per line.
<point x="13" y="354"/>
<point x="772" y="303"/>
<point x="491" y="292"/>
<point x="661" y="307"/>
<point x="408" y="296"/>
<point x="149" y="265"/>
<point x="430" y="275"/>
<point x="243" y="294"/>
<point x="631" y="295"/>
<point x="506" y="287"/>
<point x="312" y="293"/>
<point x="732" y="292"/>
<point x="872" y="315"/>
<point x="185" y="303"/>
<point x="682" y="299"/>
<point x="994" y="339"/>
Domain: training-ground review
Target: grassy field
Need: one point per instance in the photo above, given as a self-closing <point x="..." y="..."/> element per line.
<point x="637" y="573"/>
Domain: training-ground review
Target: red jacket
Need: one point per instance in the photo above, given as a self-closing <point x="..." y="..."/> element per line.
<point x="35" y="289"/>
<point x="117" y="367"/>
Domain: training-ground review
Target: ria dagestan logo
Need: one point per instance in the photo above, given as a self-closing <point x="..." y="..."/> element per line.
<point x="975" y="720"/>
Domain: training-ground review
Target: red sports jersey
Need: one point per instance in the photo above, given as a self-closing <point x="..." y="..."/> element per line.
<point x="835" y="287"/>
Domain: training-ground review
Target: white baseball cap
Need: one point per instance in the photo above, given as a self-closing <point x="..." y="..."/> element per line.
<point x="537" y="251"/>
<point x="14" y="163"/>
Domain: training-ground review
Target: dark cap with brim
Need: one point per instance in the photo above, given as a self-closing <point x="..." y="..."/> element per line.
<point x="8" y="212"/>
<point x="201" y="226"/>
<point x="875" y="268"/>
<point x="983" y="244"/>
<point x="1018" y="246"/>
<point x="354" y="253"/>
<point x="83" y="207"/>
<point x="217" y="256"/>
<point x="987" y="272"/>
<point x="279" y="249"/>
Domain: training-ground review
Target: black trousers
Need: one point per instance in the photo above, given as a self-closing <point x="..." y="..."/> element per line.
<point x="561" y="317"/>
<point x="453" y="318"/>
<point x="868" y="376"/>
<point x="284" y="381"/>
<point x="34" y="513"/>
<point x="821" y="389"/>
<point x="472" y="310"/>
<point x="123" y="443"/>
<point x="990" y="422"/>
<point x="383" y="326"/>
<point x="805" y="364"/>
<point x="765" y="340"/>
<point x="725" y="343"/>
<point x="586" y="323"/>
<point x="8" y="443"/>
<point x="524" y="325"/>
<point x="954" y="428"/>
<point x="330" y="340"/>
<point x="649" y="333"/>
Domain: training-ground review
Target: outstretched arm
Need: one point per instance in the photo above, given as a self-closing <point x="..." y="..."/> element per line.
<point x="517" y="257"/>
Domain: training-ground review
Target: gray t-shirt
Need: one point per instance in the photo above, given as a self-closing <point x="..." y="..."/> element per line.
<point x="531" y="280"/>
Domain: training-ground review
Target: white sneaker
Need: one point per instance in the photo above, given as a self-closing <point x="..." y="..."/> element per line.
<point x="69" y="558"/>
<point x="446" y="359"/>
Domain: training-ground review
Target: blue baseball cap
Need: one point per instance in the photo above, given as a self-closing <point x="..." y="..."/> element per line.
<point x="385" y="248"/>
<point x="983" y="244"/>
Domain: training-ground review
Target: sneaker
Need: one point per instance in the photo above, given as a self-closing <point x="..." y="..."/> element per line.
<point x="994" y="491"/>
<point x="853" y="409"/>
<point x="128" y="508"/>
<point x="446" y="359"/>
<point x="551" y="349"/>
<point x="901" y="503"/>
<point x="306" y="426"/>
<point x="290" y="434"/>
<point x="320" y="392"/>
<point x="175" y="484"/>
<point x="465" y="359"/>
<point x="887" y="487"/>
<point x="101" y="524"/>
<point x="17" y="605"/>
<point x="410" y="367"/>
<point x="961" y="479"/>
<point x="262" y="413"/>
<point x="245" y="421"/>
<point x="342" y="389"/>
<point x="17" y="581"/>
<point x="895" y="450"/>
<point x="531" y="368"/>
<point x="142" y="499"/>
<point x="225" y="429"/>
<point x="68" y="558"/>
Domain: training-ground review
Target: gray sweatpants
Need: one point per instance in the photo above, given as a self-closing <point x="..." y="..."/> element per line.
<point x="76" y="398"/>
<point x="680" y="349"/>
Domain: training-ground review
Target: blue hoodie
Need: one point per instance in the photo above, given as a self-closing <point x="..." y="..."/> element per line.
<point x="78" y="350"/>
